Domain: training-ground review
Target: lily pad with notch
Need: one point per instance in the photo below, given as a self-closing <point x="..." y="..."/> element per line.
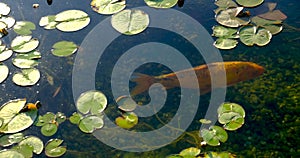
<point x="127" y="120"/>
<point x="90" y="123"/>
<point x="24" y="44"/>
<point x="34" y="142"/>
<point x="8" y="20"/>
<point x="53" y="148"/>
<point x="190" y="152"/>
<point x="10" y="139"/>
<point x="24" y="27"/>
<point x="108" y="6"/>
<point x="72" y="20"/>
<point x="250" y="35"/>
<point x="249" y="3"/>
<point x="5" y="53"/>
<point x="4" y="71"/>
<point x="161" y="3"/>
<point x="274" y="26"/>
<point x="48" y="22"/>
<point x="126" y="103"/>
<point x="231" y="115"/>
<point x="92" y="101"/>
<point x="214" y="135"/>
<point x="27" y="77"/>
<point x="224" y="4"/>
<point x="5" y="9"/>
<point x="229" y="17"/>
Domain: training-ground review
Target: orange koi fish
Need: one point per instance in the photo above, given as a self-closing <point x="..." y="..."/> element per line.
<point x="236" y="71"/>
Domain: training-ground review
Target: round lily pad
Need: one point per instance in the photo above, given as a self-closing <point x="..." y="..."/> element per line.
<point x="90" y="123"/>
<point x="126" y="103"/>
<point x="5" y="9"/>
<point x="127" y="120"/>
<point x="224" y="32"/>
<point x="53" y="148"/>
<point x="24" y="27"/>
<point x="75" y="118"/>
<point x="231" y="107"/>
<point x="161" y="3"/>
<point x="9" y="21"/>
<point x="214" y="135"/>
<point x="225" y="43"/>
<point x="34" y="142"/>
<point x="72" y="20"/>
<point x="9" y="109"/>
<point x="24" y="63"/>
<point x="249" y="3"/>
<point x="60" y="117"/>
<point x="192" y="152"/>
<point x="273" y="26"/>
<point x="224" y="4"/>
<point x="91" y="101"/>
<point x="24" y="44"/>
<point x="27" y="77"/>
<point x="9" y="139"/>
<point x="48" y="22"/>
<point x="130" y="22"/>
<point x="10" y="153"/>
<point x="228" y="17"/>
<point x="231" y="115"/>
<point x="20" y="122"/>
<point x="5" y="54"/>
<point x="108" y="6"/>
<point x="64" y="48"/>
<point x="49" y="129"/>
<point x="4" y="71"/>
<point x="250" y="35"/>
<point x="49" y="117"/>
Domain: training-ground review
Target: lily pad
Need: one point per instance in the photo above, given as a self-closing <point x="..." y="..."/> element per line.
<point x="224" y="32"/>
<point x="25" y="150"/>
<point x="9" y="109"/>
<point x="9" y="139"/>
<point x="231" y="115"/>
<point x="24" y="63"/>
<point x="214" y="135"/>
<point x="90" y="123"/>
<point x="24" y="44"/>
<point x="72" y="20"/>
<point x="130" y="22"/>
<point x="127" y="120"/>
<point x="27" y="77"/>
<point x="231" y="107"/>
<point x="10" y="153"/>
<point x="9" y="21"/>
<point x="126" y="103"/>
<point x="224" y="4"/>
<point x="161" y="3"/>
<point x="75" y="118"/>
<point x="48" y="22"/>
<point x="49" y="117"/>
<point x="91" y="101"/>
<point x="60" y="117"/>
<point x="24" y="27"/>
<point x="64" y="48"/>
<point x="192" y="152"/>
<point x="250" y="35"/>
<point x="5" y="9"/>
<point x="228" y="17"/>
<point x="249" y="3"/>
<point x="5" y="54"/>
<point x="53" y="148"/>
<point x="225" y="43"/>
<point x="34" y="142"/>
<point x="108" y="6"/>
<point x="4" y="71"/>
<point x="273" y="26"/>
<point x="49" y="129"/>
<point x="205" y="121"/>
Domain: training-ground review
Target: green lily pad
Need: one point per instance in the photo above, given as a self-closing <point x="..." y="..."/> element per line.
<point x="24" y="27"/>
<point x="192" y="151"/>
<point x="75" y="118"/>
<point x="5" y="9"/>
<point x="107" y="6"/>
<point x="5" y="54"/>
<point x="130" y="22"/>
<point x="211" y="154"/>
<point x="49" y="117"/>
<point x="64" y="48"/>
<point x="9" y="109"/>
<point x="273" y="26"/>
<point x="231" y="107"/>
<point x="228" y="17"/>
<point x="161" y="3"/>
<point x="249" y="3"/>
<point x="25" y="150"/>
<point x="53" y="148"/>
<point x="214" y="135"/>
<point x="48" y="22"/>
<point x="24" y="44"/>
<point x="90" y="123"/>
<point x="72" y="20"/>
<point x="127" y="121"/>
<point x="91" y="101"/>
<point x="49" y="129"/>
<point x="231" y="115"/>
<point x="205" y="121"/>
<point x="174" y="156"/>
<point x="224" y="4"/>
<point x="24" y="63"/>
<point x="126" y="103"/>
<point x="10" y="153"/>
<point x="27" y="77"/>
<point x="225" y="43"/>
<point x="224" y="32"/>
<point x="4" y="71"/>
<point x="60" y="117"/>
<point x="9" y="139"/>
<point x="250" y="35"/>
<point x="9" y="21"/>
<point x="34" y="142"/>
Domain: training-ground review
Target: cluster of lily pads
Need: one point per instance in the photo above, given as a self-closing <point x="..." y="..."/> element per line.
<point x="193" y="152"/>
<point x="49" y="122"/>
<point x="236" y="23"/>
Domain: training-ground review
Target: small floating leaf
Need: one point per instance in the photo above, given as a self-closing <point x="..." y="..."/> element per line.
<point x="24" y="44"/>
<point x="9" y="21"/>
<point x="127" y="121"/>
<point x="49" y="129"/>
<point x="5" y="54"/>
<point x="225" y="43"/>
<point x="126" y="103"/>
<point x="224" y="4"/>
<point x="273" y="26"/>
<point x="161" y="3"/>
<point x="20" y="122"/>
<point x="48" y="22"/>
<point x="64" y="48"/>
<point x="91" y="101"/>
<point x="9" y="109"/>
<point x="34" y="142"/>
<point x="5" y="9"/>
<point x="192" y="152"/>
<point x="249" y="3"/>
<point x="24" y="27"/>
<point x="130" y="22"/>
<point x="45" y="119"/>
<point x="24" y="63"/>
<point x="60" y="117"/>
<point x="108" y="6"/>
<point x="90" y="123"/>
<point x="205" y="121"/>
<point x="75" y="118"/>
<point x="72" y="20"/>
<point x="250" y="35"/>
<point x="10" y="153"/>
<point x="9" y="139"/>
<point x="24" y="149"/>
<point x="27" y="77"/>
<point x="214" y="135"/>
<point x="225" y="32"/>
<point x="231" y="115"/>
<point x="228" y="17"/>
<point x="4" y="71"/>
<point x="53" y="149"/>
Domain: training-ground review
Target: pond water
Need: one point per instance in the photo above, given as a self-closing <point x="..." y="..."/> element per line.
<point x="271" y="101"/>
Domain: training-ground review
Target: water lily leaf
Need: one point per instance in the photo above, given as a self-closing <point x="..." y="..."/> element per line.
<point x="49" y="129"/>
<point x="49" y="117"/>
<point x="48" y="22"/>
<point x="24" y="63"/>
<point x="27" y="77"/>
<point x="130" y="22"/>
<point x="53" y="149"/>
<point x="205" y="121"/>
<point x="231" y="115"/>
<point x="60" y="117"/>
<point x="9" y="139"/>
<point x="72" y="20"/>
<point x="250" y="35"/>
<point x="91" y="101"/>
<point x="34" y="142"/>
<point x="9" y="109"/>
<point x="231" y="107"/>
<point x="75" y="118"/>
<point x="211" y="154"/>
<point x="192" y="151"/>
<point x="225" y="32"/>
<point x="225" y="43"/>
<point x="24" y="44"/>
<point x="174" y="156"/>
<point x="5" y="54"/>
<point x="224" y="4"/>
<point x="9" y="21"/>
<point x="127" y="121"/>
<point x="4" y="71"/>
<point x="161" y="3"/>
<point x="64" y="48"/>
<point x="214" y="135"/>
<point x="108" y="6"/>
<point x="90" y="123"/>
<point x="126" y="103"/>
<point x="5" y="9"/>
<point x="10" y="153"/>
<point x="234" y="124"/>
<point x="273" y="26"/>
<point x="228" y="17"/>
<point x="273" y="15"/>
<point x="24" y="27"/>
<point x="24" y="149"/>
<point x="249" y="3"/>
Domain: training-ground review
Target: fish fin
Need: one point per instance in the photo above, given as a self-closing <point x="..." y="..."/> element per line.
<point x="143" y="82"/>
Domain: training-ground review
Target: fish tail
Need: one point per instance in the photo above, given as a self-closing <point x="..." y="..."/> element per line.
<point x="143" y="82"/>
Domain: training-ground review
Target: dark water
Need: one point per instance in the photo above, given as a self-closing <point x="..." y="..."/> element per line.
<point x="271" y="101"/>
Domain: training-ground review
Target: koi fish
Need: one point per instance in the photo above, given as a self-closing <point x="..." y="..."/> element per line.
<point x="236" y="71"/>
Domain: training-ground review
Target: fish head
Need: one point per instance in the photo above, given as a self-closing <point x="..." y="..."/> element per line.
<point x="250" y="70"/>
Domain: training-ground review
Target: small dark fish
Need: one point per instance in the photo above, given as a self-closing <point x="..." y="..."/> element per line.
<point x="49" y="2"/>
<point x="180" y="3"/>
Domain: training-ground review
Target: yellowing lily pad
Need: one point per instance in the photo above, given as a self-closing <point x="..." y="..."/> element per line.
<point x="64" y="48"/>
<point x="190" y="152"/>
<point x="10" y="153"/>
<point x="249" y="3"/>
<point x="24" y="27"/>
<point x="161" y="3"/>
<point x="9" y="139"/>
<point x="127" y="120"/>
<point x="250" y="35"/>
<point x="24" y="44"/>
<point x="130" y="22"/>
<point x="4" y="71"/>
<point x="27" y="77"/>
<point x="48" y="22"/>
<point x="72" y="20"/>
<point x="91" y="101"/>
<point x="228" y="17"/>
<point x="5" y="9"/>
<point x="9" y="21"/>
<point x="108" y="6"/>
<point x="5" y="54"/>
